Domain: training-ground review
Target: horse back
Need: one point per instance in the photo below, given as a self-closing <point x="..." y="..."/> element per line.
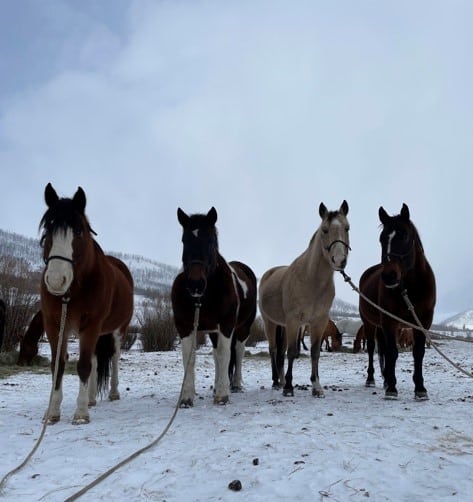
<point x="270" y="294"/>
<point x="246" y="285"/>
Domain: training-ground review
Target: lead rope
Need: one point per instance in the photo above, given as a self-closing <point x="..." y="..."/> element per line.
<point x="410" y="306"/>
<point x="131" y="457"/>
<point x="65" y="301"/>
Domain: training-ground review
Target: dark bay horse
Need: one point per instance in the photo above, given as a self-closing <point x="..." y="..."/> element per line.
<point x="226" y="293"/>
<point x="300" y="295"/>
<point x="403" y="269"/>
<point x="98" y="291"/>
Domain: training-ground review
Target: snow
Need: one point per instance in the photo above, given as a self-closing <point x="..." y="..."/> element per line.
<point x="353" y="445"/>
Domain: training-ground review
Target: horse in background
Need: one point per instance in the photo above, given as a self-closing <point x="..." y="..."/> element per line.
<point x="98" y="291"/>
<point x="331" y="332"/>
<point x="3" y="314"/>
<point x="404" y="269"/>
<point x="405" y="338"/>
<point x="301" y="294"/>
<point x="224" y="292"/>
<point x="29" y="341"/>
<point x="360" y="340"/>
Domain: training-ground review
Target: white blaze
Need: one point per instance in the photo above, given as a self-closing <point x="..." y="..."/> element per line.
<point x="59" y="273"/>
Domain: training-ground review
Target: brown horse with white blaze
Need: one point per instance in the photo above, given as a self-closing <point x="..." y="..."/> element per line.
<point x="98" y="291"/>
<point x="404" y="270"/>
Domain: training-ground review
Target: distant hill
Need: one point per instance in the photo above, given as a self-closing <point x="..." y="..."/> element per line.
<point x="462" y="321"/>
<point x="149" y="275"/>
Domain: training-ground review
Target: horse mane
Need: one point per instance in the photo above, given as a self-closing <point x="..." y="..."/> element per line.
<point x="417" y="238"/>
<point x="61" y="216"/>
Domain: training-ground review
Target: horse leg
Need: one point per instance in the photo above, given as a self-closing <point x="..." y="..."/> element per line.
<point x="316" y="338"/>
<point x="390" y="365"/>
<point x="53" y="413"/>
<point x="238" y="352"/>
<point x="370" y="336"/>
<point x="92" y="386"/>
<point x="292" y="353"/>
<point x="188" y="360"/>
<point x="222" y="360"/>
<point x="418" y="351"/>
<point x="87" y="344"/>
<point x="114" y="394"/>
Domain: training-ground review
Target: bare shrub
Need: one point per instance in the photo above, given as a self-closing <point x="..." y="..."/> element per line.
<point x="157" y="325"/>
<point x="19" y="290"/>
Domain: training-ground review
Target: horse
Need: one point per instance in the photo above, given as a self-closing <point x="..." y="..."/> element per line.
<point x="406" y="338"/>
<point x="96" y="289"/>
<point x="360" y="340"/>
<point x="29" y="341"/>
<point x="225" y="294"/>
<point x="404" y="269"/>
<point x="331" y="332"/>
<point x="3" y="309"/>
<point x="301" y="294"/>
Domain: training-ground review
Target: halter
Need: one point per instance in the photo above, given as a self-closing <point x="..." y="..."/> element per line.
<point x="401" y="256"/>
<point x="58" y="257"/>
<point x="329" y="247"/>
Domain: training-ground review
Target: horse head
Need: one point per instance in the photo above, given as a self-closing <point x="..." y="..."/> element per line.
<point x="66" y="236"/>
<point x="200" y="248"/>
<point x="334" y="234"/>
<point x="397" y="246"/>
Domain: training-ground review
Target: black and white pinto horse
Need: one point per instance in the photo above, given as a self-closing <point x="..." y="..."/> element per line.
<point x="225" y="294"/>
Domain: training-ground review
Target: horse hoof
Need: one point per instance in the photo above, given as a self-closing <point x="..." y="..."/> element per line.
<point x="80" y="420"/>
<point x="421" y="396"/>
<point x="390" y="395"/>
<point x="221" y="400"/>
<point x="318" y="393"/>
<point x="370" y="383"/>
<point x="186" y="403"/>
<point x="51" y="420"/>
<point x="236" y="389"/>
<point x="114" y="397"/>
<point x="92" y="403"/>
<point x="288" y="392"/>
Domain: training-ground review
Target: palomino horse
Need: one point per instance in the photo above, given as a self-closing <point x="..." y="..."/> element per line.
<point x="301" y="294"/>
<point x="98" y="292"/>
<point x="403" y="270"/>
<point x="226" y="296"/>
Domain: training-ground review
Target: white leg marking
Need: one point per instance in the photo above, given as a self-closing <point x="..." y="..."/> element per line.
<point x="81" y="415"/>
<point x="188" y="360"/>
<point x="239" y="354"/>
<point x="92" y="388"/>
<point x="114" y="392"/>
<point x="222" y="360"/>
<point x="54" y="413"/>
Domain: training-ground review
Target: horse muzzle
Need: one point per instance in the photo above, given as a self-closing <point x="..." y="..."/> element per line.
<point x="58" y="279"/>
<point x="391" y="275"/>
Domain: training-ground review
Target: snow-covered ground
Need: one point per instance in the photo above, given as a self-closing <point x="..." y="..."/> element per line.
<point x="351" y="446"/>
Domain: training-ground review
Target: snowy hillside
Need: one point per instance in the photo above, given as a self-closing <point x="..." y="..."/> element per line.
<point x="149" y="275"/>
<point x="463" y="321"/>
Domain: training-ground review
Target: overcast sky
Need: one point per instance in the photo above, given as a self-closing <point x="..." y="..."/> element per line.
<point x="262" y="109"/>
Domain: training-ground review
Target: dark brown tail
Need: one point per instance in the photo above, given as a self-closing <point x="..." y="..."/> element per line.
<point x="104" y="350"/>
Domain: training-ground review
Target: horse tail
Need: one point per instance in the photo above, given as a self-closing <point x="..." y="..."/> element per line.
<point x="104" y="351"/>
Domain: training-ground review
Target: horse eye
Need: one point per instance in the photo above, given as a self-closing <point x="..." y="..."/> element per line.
<point x="325" y="230"/>
<point x="78" y="232"/>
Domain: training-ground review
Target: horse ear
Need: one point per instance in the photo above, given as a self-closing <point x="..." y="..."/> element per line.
<point x="182" y="217"/>
<point x="322" y="210"/>
<point x="79" y="200"/>
<point x="344" y="208"/>
<point x="405" y="212"/>
<point x="383" y="215"/>
<point x="50" y="195"/>
<point x="212" y="216"/>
